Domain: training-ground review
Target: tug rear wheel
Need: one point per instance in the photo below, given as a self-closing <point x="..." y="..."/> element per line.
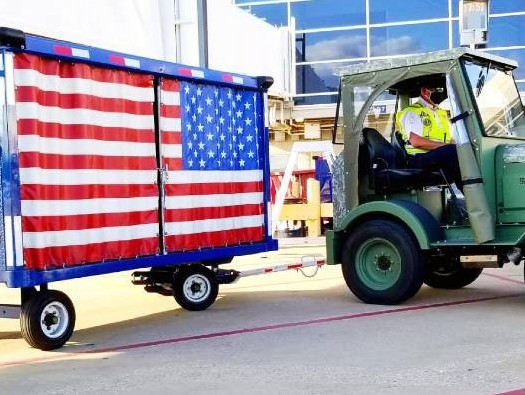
<point x="450" y="275"/>
<point x="382" y="263"/>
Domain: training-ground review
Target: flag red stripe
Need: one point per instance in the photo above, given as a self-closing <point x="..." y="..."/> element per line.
<point x="213" y="239"/>
<point x="69" y="162"/>
<point x="40" y="258"/>
<point x="87" y="221"/>
<point x="76" y="101"/>
<point x="193" y="214"/>
<point x="57" y="130"/>
<point x="173" y="163"/>
<point x="91" y="221"/>
<point x="171" y="137"/>
<point x="170" y="111"/>
<point x="170" y="85"/>
<point x="85" y="191"/>
<point x="82" y="71"/>
<point x="213" y="188"/>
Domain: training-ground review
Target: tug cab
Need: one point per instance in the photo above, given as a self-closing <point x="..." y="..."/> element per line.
<point x="397" y="227"/>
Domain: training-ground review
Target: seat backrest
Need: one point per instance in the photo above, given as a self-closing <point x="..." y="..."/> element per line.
<point x="400" y="145"/>
<point x="381" y="153"/>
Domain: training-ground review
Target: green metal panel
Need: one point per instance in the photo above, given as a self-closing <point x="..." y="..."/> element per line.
<point x="510" y="178"/>
<point x="493" y="170"/>
<point x="508" y="235"/>
<point x="424" y="227"/>
<point x="333" y="247"/>
<point x="487" y="150"/>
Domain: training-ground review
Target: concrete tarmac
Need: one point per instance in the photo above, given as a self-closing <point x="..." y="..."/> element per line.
<point x="279" y="333"/>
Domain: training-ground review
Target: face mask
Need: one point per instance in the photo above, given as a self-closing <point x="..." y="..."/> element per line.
<point x="437" y="97"/>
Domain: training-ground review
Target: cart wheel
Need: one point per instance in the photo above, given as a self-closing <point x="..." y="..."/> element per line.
<point x="450" y="276"/>
<point x="382" y="263"/>
<point x="47" y="320"/>
<point x="195" y="287"/>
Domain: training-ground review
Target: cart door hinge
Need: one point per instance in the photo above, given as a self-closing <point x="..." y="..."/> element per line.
<point x="164" y="173"/>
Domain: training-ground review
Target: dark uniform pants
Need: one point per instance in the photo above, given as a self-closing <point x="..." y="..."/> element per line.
<point x="444" y="158"/>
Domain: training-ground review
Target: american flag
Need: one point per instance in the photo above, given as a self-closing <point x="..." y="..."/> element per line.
<point x="88" y="164"/>
<point x="212" y="147"/>
<point x="87" y="160"/>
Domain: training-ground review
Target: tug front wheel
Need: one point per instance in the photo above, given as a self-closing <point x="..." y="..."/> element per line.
<point x="195" y="287"/>
<point x="382" y="263"/>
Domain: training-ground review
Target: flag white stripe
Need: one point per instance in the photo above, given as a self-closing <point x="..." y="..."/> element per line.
<point x="213" y="200"/>
<point x="213" y="225"/>
<point x="110" y="90"/>
<point x="170" y="98"/>
<point x="65" y="238"/>
<point x="36" y="175"/>
<point x="170" y="124"/>
<point x="207" y="176"/>
<point x="35" y="143"/>
<point x="81" y="116"/>
<point x="172" y="150"/>
<point x="43" y="208"/>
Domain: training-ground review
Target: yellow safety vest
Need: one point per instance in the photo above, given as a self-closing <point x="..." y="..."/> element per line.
<point x="436" y="124"/>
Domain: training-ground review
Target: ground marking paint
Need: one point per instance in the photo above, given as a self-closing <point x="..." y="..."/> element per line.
<point x="256" y="329"/>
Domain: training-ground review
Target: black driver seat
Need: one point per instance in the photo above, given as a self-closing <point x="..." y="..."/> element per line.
<point x="388" y="167"/>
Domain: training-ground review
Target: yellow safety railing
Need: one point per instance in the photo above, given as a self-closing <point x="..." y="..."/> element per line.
<point x="311" y="212"/>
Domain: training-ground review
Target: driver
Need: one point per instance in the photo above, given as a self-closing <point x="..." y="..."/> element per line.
<point x="426" y="129"/>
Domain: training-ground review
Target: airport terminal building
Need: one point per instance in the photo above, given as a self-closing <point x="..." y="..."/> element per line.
<point x="330" y="34"/>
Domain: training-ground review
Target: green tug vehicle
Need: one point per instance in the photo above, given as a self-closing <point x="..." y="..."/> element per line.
<point x="395" y="227"/>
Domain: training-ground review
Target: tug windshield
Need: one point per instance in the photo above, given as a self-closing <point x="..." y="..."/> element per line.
<point x="497" y="98"/>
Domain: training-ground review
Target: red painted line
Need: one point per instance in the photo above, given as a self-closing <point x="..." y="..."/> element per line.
<point x="515" y="392"/>
<point x="257" y="329"/>
<point x="504" y="278"/>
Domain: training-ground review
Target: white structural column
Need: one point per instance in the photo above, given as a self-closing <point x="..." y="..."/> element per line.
<point x="170" y="35"/>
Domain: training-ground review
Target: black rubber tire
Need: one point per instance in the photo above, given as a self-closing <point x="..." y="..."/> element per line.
<point x="195" y="287"/>
<point x="411" y="268"/>
<point x="453" y="278"/>
<point x="32" y="326"/>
